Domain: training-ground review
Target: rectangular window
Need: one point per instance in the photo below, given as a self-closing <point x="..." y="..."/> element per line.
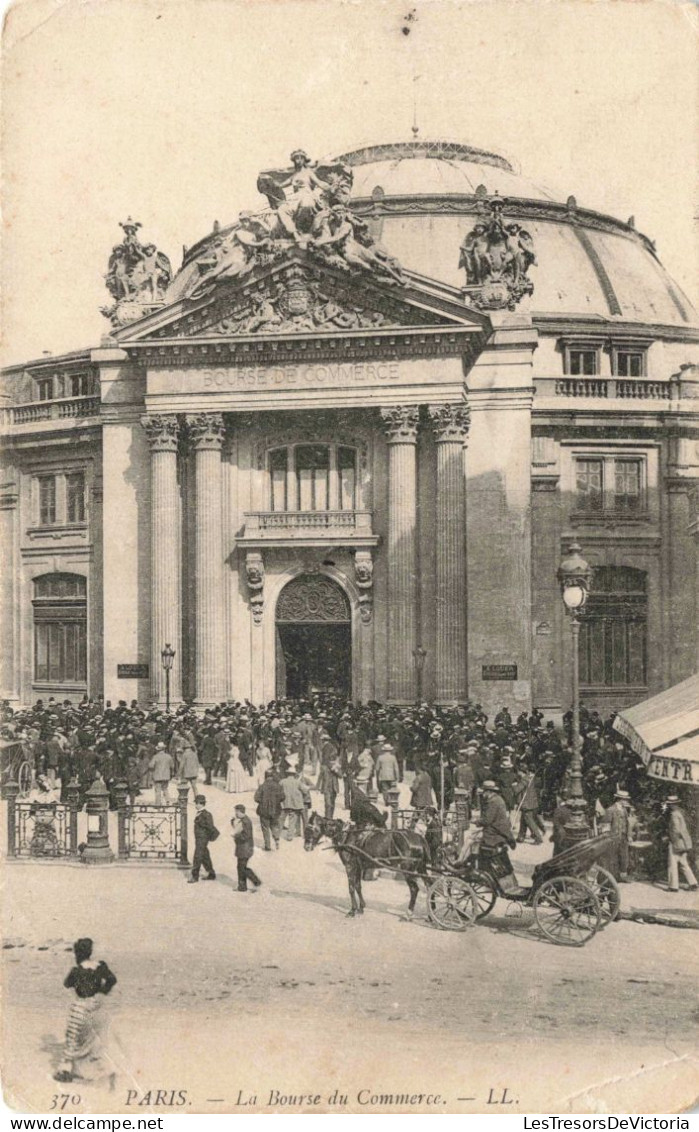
<point x="44" y="389"/>
<point x="75" y="497"/>
<point x="347" y="473"/>
<point x="312" y="473"/>
<point x="278" y="463"/>
<point x="627" y="485"/>
<point x="60" y="652"/>
<point x="582" y="363"/>
<point x="628" y="363"/>
<point x="47" y="501"/>
<point x="78" y="385"/>
<point x="589" y="487"/>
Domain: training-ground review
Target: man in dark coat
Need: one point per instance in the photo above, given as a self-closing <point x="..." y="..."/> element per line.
<point x="364" y="813"/>
<point x="204" y="832"/>
<point x="270" y="799"/>
<point x="244" y="849"/>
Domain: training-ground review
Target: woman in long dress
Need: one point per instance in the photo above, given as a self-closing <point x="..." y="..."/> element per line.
<point x="86" y="1054"/>
<point x="237" y="780"/>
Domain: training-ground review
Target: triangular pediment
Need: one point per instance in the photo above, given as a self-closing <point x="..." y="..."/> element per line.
<point x="297" y="296"/>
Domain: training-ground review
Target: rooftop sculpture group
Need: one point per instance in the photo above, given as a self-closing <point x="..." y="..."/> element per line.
<point x="308" y="209"/>
<point x="137" y="277"/>
<point x="497" y="257"/>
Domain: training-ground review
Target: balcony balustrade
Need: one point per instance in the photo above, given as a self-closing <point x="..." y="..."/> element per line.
<point x="65" y="408"/>
<point x="292" y="526"/>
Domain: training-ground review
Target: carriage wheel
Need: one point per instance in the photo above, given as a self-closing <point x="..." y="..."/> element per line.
<point x="485" y="893"/>
<point x="567" y="911"/>
<point x="24" y="779"/>
<point x="452" y="904"/>
<point x="607" y="892"/>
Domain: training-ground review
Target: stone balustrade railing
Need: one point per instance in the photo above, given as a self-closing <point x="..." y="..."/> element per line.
<point x="63" y="409"/>
<point x="604" y="388"/>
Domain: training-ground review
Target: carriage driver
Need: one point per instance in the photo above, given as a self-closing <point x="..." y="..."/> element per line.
<point x="497" y="834"/>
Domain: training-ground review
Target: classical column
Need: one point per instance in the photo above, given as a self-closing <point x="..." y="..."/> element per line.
<point x="166" y="598"/>
<point x="451" y="424"/>
<point x="401" y="423"/>
<point x="206" y="432"/>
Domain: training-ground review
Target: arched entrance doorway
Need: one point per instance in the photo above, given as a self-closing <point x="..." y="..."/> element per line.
<point x="313" y="638"/>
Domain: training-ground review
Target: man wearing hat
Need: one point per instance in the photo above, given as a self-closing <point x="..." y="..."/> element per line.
<point x="620" y="820"/>
<point x="161" y="770"/>
<point x="204" y="832"/>
<point x="386" y="770"/>
<point x="679" y="846"/>
<point x="497" y="833"/>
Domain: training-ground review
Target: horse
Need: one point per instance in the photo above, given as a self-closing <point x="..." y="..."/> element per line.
<point x="401" y="850"/>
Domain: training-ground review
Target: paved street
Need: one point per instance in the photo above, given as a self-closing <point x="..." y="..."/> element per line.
<point x="221" y="993"/>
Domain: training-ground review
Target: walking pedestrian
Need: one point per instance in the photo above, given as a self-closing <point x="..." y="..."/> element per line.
<point x="270" y="799"/>
<point x="86" y="1054"/>
<point x="244" y="849"/>
<point x="678" y="847"/>
<point x="189" y="767"/>
<point x="161" y="770"/>
<point x="619" y="818"/>
<point x="204" y="832"/>
<point x="387" y="772"/>
<point x="295" y="794"/>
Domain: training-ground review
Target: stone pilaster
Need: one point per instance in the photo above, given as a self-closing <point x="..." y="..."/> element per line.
<point x="206" y="434"/>
<point x="166" y="592"/>
<point x="401" y="424"/>
<point x="450" y="424"/>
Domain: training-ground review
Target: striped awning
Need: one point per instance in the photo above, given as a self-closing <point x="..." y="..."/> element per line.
<point x="664" y="732"/>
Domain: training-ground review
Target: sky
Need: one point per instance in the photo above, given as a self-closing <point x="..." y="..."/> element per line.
<point x="166" y="110"/>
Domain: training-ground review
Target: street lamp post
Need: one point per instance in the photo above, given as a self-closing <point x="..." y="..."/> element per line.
<point x="575" y="576"/>
<point x="419" y="656"/>
<point x="168" y="656"/>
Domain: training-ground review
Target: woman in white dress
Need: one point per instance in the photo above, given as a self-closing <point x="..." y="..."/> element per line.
<point x="263" y="762"/>
<point x="238" y="780"/>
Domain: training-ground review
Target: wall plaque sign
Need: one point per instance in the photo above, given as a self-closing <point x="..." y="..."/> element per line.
<point x="133" y="671"/>
<point x="499" y="672"/>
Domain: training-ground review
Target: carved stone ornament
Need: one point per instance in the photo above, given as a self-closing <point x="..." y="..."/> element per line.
<point x="255" y="577"/>
<point x="496" y="257"/>
<point x="400" y="423"/>
<point x="313" y="598"/>
<point x="162" y="432"/>
<point x="206" y="430"/>
<point x="308" y="208"/>
<point x="450" y="422"/>
<point x="138" y="275"/>
<point x="364" y="581"/>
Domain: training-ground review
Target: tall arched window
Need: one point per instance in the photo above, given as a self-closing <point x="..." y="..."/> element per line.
<point x="312" y="477"/>
<point x="613" y="629"/>
<point x="60" y="629"/>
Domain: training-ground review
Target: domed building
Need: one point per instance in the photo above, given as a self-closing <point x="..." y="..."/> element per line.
<point x="345" y="447"/>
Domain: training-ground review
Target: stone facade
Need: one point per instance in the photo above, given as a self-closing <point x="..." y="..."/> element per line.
<point x="450" y="445"/>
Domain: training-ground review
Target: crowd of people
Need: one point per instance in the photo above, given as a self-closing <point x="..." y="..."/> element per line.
<point x="346" y="751"/>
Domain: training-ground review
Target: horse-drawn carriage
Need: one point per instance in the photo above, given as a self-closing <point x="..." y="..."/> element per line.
<point x="16" y="766"/>
<point x="572" y="895"/>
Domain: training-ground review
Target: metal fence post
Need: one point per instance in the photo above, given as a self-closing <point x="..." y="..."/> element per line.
<point x="182" y="795"/>
<point x="120" y="792"/>
<point x="73" y="796"/>
<point x="11" y="792"/>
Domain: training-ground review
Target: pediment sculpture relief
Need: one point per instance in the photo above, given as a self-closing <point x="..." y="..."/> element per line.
<point x="308" y="209"/>
<point x="496" y="257"/>
<point x="137" y="278"/>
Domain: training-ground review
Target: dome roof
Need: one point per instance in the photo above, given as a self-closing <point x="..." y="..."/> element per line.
<point x="423" y="197"/>
<point x="440" y="168"/>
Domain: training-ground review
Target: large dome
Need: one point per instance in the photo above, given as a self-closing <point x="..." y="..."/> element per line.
<point x="423" y="197"/>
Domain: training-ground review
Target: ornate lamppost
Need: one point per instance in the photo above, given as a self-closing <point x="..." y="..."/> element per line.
<point x="419" y="656"/>
<point x="167" y="656"/>
<point x="575" y="577"/>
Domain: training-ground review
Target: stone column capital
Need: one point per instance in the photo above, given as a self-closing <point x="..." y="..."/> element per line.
<point x="162" y="430"/>
<point x="206" y="431"/>
<point x="450" y="422"/>
<point x="400" y="423"/>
